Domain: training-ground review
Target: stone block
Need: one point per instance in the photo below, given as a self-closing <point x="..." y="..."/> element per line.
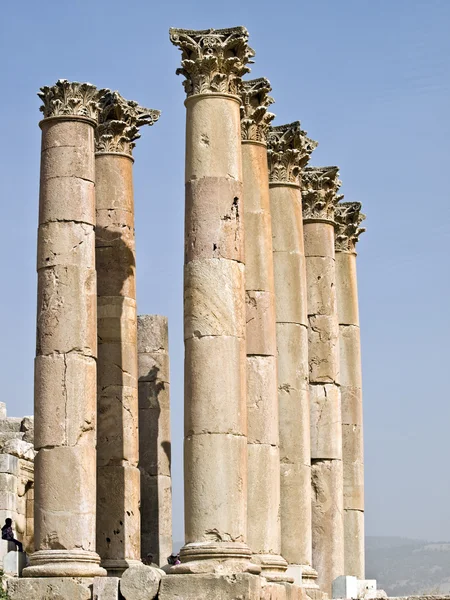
<point x="273" y="591"/>
<point x="65" y="389"/>
<point x="213" y="128"/>
<point x="118" y="516"/>
<point x="68" y="161"/>
<point x="214" y="219"/>
<point x="321" y="281"/>
<point x="354" y="543"/>
<point x="140" y="583"/>
<point x="8" y="501"/>
<point x="296" y="510"/>
<point x="27" y="427"/>
<point x="350" y="355"/>
<point x="3" y="412"/>
<point x="287" y="226"/>
<point x="290" y="287"/>
<point x="215" y="499"/>
<point x="6" y="547"/>
<point x="215" y="369"/>
<point x="295" y="592"/>
<point x="9" y="464"/>
<point x="50" y="588"/>
<point x="263" y="499"/>
<point x="345" y="586"/>
<point x="292" y="348"/>
<point x="323" y="336"/>
<point x="14" y="563"/>
<point x="260" y="318"/>
<point x="66" y="498"/>
<point x="62" y="243"/>
<point x="153" y="333"/>
<point x="116" y="319"/>
<point x="206" y="587"/>
<point x="262" y="401"/>
<point x="351" y="403"/>
<point x="116" y="268"/>
<point x="347" y="288"/>
<point x="8" y="483"/>
<point x="327" y="521"/>
<point x="154" y="366"/>
<point x="114" y="181"/>
<point x="214" y="298"/>
<point x="67" y="310"/>
<point x="106" y="588"/>
<point x="117" y="432"/>
<point x="155" y="444"/>
<point x="326" y="427"/>
<point x="67" y="199"/>
<point x="319" y="239"/>
<point x="117" y="365"/>
<point x="258" y="251"/>
<point x="10" y="424"/>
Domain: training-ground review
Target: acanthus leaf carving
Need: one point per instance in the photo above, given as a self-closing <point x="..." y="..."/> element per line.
<point x="319" y="193"/>
<point x="348" y="217"/>
<point x="255" y="118"/>
<point x="213" y="60"/>
<point x="288" y="152"/>
<point x="119" y="122"/>
<point x="70" y="98"/>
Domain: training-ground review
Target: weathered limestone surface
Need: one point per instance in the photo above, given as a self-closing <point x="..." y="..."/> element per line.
<point x="348" y="220"/>
<point x="118" y="517"/>
<point x="50" y="588"/>
<point x="140" y="582"/>
<point x="65" y="369"/>
<point x="207" y="586"/>
<point x="319" y="192"/>
<point x="288" y="152"/>
<point x="263" y="501"/>
<point x="106" y="588"/>
<point x="213" y="62"/>
<point x="154" y="437"/>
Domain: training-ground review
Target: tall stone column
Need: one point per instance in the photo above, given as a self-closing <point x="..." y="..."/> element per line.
<point x="319" y="192"/>
<point x="215" y="452"/>
<point x="263" y="503"/>
<point x="288" y="152"/>
<point x="65" y="368"/>
<point x="154" y="437"/>
<point x="348" y="220"/>
<point x="118" y="516"/>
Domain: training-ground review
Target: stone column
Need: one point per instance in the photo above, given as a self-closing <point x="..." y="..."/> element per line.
<point x="263" y="502"/>
<point x="65" y="368"/>
<point x="348" y="220"/>
<point x="319" y="192"/>
<point x="118" y="516"/>
<point x="154" y="438"/>
<point x="215" y="452"/>
<point x="288" y="152"/>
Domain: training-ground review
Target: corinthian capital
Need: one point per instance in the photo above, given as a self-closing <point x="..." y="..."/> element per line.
<point x="213" y="60"/>
<point x="70" y="98"/>
<point x="319" y="193"/>
<point x="255" y="100"/>
<point x="348" y="218"/>
<point x="118" y="123"/>
<point x="288" y="152"/>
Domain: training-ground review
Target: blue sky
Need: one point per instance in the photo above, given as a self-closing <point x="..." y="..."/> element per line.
<point x="368" y="79"/>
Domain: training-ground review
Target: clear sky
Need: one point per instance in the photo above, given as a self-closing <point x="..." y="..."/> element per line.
<point x="368" y="79"/>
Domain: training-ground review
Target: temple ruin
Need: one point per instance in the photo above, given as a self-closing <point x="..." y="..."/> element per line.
<point x="273" y="447"/>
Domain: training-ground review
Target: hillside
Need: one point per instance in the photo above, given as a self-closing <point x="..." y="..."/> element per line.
<point x="405" y="567"/>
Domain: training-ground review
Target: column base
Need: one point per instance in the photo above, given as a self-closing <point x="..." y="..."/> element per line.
<point x="213" y="557"/>
<point x="273" y="567"/>
<point x="303" y="575"/>
<point x="117" y="567"/>
<point x="64" y="563"/>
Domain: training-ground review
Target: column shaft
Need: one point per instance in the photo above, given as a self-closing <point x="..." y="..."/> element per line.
<point x="263" y="504"/>
<point x="154" y="438"/>
<point x="65" y="368"/>
<point x="348" y="218"/>
<point x="288" y="145"/>
<point x="323" y="333"/>
<point x="215" y="451"/>
<point x="118" y="520"/>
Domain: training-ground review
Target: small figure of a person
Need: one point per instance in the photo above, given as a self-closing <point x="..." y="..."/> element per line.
<point x="174" y="559"/>
<point x="8" y="534"/>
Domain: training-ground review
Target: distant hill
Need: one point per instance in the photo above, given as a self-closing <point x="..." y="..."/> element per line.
<point x="405" y="567"/>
